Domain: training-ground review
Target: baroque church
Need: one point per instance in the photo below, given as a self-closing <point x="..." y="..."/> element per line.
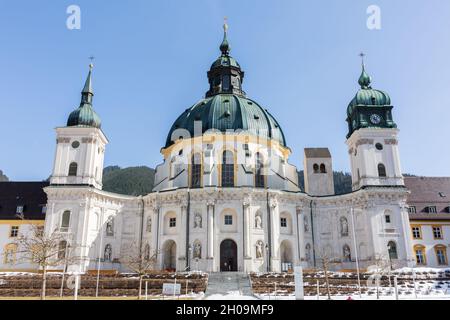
<point x="226" y="197"/>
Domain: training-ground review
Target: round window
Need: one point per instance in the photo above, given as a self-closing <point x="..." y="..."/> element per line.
<point x="75" y="144"/>
<point x="379" y="146"/>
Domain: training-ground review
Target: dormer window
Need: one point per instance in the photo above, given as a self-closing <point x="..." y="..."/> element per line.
<point x="431" y="209"/>
<point x="412" y="209"/>
<point x="19" y="209"/>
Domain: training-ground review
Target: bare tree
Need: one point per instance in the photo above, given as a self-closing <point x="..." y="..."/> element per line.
<point x="381" y="266"/>
<point x="139" y="261"/>
<point x="43" y="250"/>
<point x="326" y="260"/>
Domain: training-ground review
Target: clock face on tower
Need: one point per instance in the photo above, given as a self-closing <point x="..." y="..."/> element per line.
<point x="375" y="119"/>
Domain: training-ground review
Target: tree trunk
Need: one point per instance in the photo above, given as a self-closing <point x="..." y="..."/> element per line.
<point x="140" y="287"/>
<point x="44" y="282"/>
<point x="325" y="267"/>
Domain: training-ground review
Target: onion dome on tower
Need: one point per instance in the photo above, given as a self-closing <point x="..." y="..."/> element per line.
<point x="226" y="106"/>
<point x="370" y="107"/>
<point x="85" y="116"/>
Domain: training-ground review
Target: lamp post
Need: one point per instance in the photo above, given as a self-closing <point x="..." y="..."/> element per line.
<point x="69" y="234"/>
<point x="356" y="251"/>
<point x="99" y="259"/>
<point x="189" y="257"/>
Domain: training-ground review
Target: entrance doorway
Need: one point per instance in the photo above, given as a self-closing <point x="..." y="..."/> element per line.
<point x="170" y="255"/>
<point x="228" y="255"/>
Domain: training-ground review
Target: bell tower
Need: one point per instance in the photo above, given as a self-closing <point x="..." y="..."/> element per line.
<point x="373" y="138"/>
<point x="80" y="146"/>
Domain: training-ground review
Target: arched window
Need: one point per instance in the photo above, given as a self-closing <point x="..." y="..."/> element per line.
<point x="381" y="170"/>
<point x="73" y="169"/>
<point x="65" y="221"/>
<point x="228" y="169"/>
<point x="323" y="168"/>
<point x="259" y="176"/>
<point x="196" y="168"/>
<point x="62" y="248"/>
<point x="392" y="248"/>
<point x="316" y="168"/>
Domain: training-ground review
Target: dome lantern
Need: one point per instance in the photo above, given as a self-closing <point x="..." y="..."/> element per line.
<point x="225" y="75"/>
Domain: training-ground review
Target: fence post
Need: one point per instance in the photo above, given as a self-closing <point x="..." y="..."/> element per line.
<point x="318" y="290"/>
<point x="146" y="290"/>
<point x="396" y="287"/>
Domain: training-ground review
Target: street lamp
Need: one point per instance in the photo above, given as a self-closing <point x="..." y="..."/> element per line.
<point x="189" y="257"/>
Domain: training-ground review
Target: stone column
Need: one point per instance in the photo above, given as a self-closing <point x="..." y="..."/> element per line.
<point x="154" y="236"/>
<point x="210" y="216"/>
<point x="247" y="238"/>
<point x="275" y="229"/>
<point x="301" y="237"/>
<point x="182" y="245"/>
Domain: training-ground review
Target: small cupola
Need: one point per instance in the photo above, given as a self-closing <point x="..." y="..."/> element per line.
<point x="225" y="75"/>
<point x="85" y="116"/>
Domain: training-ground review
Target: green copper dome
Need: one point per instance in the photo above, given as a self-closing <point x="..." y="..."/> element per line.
<point x="226" y="106"/>
<point x="366" y="96"/>
<point x="225" y="61"/>
<point x="370" y="108"/>
<point x="224" y="112"/>
<point x="85" y="116"/>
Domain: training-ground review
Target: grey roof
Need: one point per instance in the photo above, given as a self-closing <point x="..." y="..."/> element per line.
<point x="317" y="153"/>
<point x="30" y="195"/>
<point x="426" y="192"/>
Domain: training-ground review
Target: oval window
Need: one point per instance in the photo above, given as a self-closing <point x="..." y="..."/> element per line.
<point x="75" y="144"/>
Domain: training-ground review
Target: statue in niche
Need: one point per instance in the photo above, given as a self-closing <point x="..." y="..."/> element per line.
<point x="147" y="252"/>
<point x="259" y="249"/>
<point x="149" y="224"/>
<point x="344" y="227"/>
<point x="198" y="221"/>
<point x="108" y="253"/>
<point x="110" y="227"/>
<point x="197" y="251"/>
<point x="347" y="254"/>
<point x="258" y="221"/>
<point x="308" y="252"/>
<point x="305" y="222"/>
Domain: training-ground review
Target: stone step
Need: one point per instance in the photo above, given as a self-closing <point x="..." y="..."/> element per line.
<point x="229" y="284"/>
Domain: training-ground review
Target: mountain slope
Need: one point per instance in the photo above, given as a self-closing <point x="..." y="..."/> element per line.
<point x="133" y="181"/>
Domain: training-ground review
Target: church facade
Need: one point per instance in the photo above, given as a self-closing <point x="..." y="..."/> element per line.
<point x="226" y="198"/>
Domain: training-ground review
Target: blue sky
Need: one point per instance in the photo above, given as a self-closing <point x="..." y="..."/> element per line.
<point x="300" y="58"/>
